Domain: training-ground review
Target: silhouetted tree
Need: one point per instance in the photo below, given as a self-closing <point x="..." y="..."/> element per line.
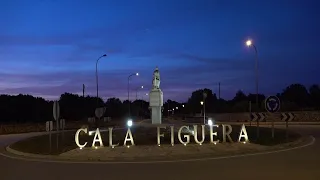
<point x="26" y="108"/>
<point x="296" y="93"/>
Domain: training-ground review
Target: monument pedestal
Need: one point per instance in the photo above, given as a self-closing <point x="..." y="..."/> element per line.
<point x="156" y="103"/>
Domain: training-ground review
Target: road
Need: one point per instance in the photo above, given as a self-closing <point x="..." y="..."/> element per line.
<point x="303" y="163"/>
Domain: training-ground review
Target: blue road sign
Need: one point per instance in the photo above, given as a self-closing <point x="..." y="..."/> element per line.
<point x="272" y="104"/>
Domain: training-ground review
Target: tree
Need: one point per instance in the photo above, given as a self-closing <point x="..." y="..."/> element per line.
<point x="197" y="96"/>
<point x="296" y="93"/>
<point x="240" y="96"/>
<point x="26" y="108"/>
<point x="314" y="91"/>
<point x="114" y="108"/>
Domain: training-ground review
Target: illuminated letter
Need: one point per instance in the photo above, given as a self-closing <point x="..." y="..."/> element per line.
<point x="196" y="134"/>
<point x="76" y="138"/>
<point x="224" y="133"/>
<point x="159" y="135"/>
<point x="128" y="139"/>
<point x="185" y="136"/>
<point x="110" y="138"/>
<point x="213" y="134"/>
<point x="97" y="134"/>
<point x="172" y="135"/>
<point x="244" y="135"/>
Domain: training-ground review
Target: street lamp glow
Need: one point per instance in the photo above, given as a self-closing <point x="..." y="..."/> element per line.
<point x="249" y="43"/>
<point x="210" y="123"/>
<point x="137" y="74"/>
<point x="147" y="94"/>
<point x="129" y="123"/>
<point x="173" y="109"/>
<point x="141" y="87"/>
<point x="176" y="107"/>
<point x="182" y="105"/>
<point x="201" y="102"/>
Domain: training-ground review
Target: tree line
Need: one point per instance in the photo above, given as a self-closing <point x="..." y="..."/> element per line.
<point x="28" y="109"/>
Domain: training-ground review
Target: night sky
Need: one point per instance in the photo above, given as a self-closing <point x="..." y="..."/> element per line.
<point x="48" y="47"/>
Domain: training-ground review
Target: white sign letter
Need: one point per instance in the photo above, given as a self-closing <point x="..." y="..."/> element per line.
<point x="226" y="134"/>
<point x="128" y="139"/>
<point x="213" y="134"/>
<point x="172" y="135"/>
<point x="185" y="136"/>
<point x="159" y="135"/>
<point x="76" y="138"/>
<point x="110" y="138"/>
<point x="195" y="128"/>
<point x="243" y="134"/>
<point x="97" y="138"/>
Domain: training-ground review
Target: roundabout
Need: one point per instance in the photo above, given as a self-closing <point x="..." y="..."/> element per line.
<point x="289" y="163"/>
<point x="143" y="144"/>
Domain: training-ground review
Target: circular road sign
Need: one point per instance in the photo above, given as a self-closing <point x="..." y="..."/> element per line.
<point x="272" y="104"/>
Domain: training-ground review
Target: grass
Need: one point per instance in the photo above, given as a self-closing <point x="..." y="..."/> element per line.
<point x="142" y="136"/>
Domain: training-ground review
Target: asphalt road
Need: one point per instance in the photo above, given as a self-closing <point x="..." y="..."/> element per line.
<point x="297" y="164"/>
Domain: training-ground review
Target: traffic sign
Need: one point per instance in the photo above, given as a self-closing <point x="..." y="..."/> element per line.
<point x="56" y="110"/>
<point x="287" y="116"/>
<point x="272" y="104"/>
<point x="99" y="112"/>
<point x="257" y="116"/>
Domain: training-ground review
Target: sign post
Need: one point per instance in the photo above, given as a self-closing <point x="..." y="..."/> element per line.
<point x="49" y="128"/>
<point x="287" y="117"/>
<point x="56" y="116"/>
<point x="272" y="105"/>
<point x="99" y="112"/>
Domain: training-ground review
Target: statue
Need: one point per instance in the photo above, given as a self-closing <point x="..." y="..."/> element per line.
<point x="156" y="99"/>
<point x="156" y="79"/>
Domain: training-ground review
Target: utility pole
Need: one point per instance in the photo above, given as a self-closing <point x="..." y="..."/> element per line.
<point x="83" y="88"/>
<point x="219" y="90"/>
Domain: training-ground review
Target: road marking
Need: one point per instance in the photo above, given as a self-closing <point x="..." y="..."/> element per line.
<point x="168" y="161"/>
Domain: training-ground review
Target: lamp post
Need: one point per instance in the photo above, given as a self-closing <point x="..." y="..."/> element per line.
<point x="97" y="76"/>
<point x="204" y="111"/>
<point x="134" y="74"/>
<point x="249" y="44"/>
<point x="141" y="87"/>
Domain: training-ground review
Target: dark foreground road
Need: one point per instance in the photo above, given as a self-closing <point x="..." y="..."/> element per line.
<point x="297" y="164"/>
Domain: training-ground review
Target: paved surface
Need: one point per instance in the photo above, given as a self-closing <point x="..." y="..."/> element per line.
<point x="297" y="164"/>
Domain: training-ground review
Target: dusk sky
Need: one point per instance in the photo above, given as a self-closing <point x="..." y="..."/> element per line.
<point x="48" y="47"/>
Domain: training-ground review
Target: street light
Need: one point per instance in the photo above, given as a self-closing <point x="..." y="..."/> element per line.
<point x="204" y="111"/>
<point x="97" y="75"/>
<point x="249" y="44"/>
<point x="182" y="105"/>
<point x="134" y="74"/>
<point x="141" y="87"/>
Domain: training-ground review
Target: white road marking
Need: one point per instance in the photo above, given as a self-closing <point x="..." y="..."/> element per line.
<point x="168" y="161"/>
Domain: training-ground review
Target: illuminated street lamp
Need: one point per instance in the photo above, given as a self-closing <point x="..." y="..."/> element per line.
<point x="177" y="108"/>
<point x="135" y="74"/>
<point x="250" y="44"/>
<point x="97" y="76"/>
<point x="182" y="105"/>
<point x="141" y="87"/>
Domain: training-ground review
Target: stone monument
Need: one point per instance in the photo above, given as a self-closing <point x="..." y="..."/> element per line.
<point x="156" y="98"/>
